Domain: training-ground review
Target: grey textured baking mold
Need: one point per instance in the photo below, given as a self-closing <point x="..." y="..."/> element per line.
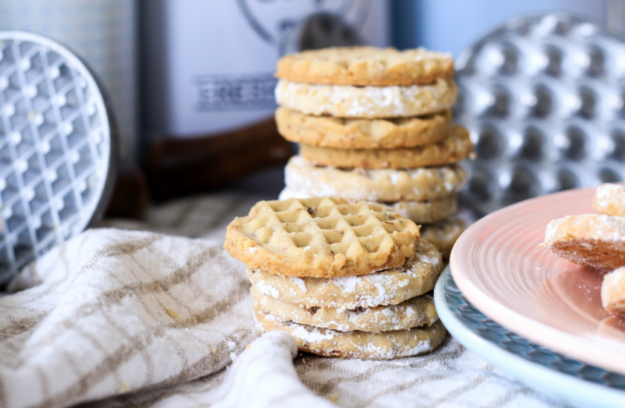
<point x="58" y="143"/>
<point x="543" y="98"/>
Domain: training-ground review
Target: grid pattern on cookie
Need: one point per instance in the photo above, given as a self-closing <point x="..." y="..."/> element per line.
<point x="331" y="226"/>
<point x="544" y="100"/>
<point x="54" y="147"/>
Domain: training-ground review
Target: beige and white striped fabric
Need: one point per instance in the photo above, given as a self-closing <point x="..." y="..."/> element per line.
<point x="128" y="318"/>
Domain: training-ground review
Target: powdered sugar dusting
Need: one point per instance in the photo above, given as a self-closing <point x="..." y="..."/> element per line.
<point x="422" y="347"/>
<point x="299" y="282"/>
<point x="586" y="227"/>
<point x="267" y="290"/>
<point x="291" y="193"/>
<point x="366" y="101"/>
<point x="311" y="334"/>
<point x="386" y="287"/>
<point x="609" y="190"/>
<point x="347" y="283"/>
<point x="430" y="258"/>
<point x="550" y="232"/>
<point x="304" y="179"/>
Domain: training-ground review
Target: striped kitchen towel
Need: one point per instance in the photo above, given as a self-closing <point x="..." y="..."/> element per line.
<point x="114" y="311"/>
<point x="119" y="318"/>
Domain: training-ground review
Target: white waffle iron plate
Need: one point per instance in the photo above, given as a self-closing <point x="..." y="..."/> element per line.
<point x="58" y="144"/>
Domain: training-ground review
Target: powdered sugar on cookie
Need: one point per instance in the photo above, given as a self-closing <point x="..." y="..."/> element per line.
<point x="414" y="312"/>
<point x="388" y="287"/>
<point x="348" y="101"/>
<point x="610" y="199"/>
<point x="357" y="344"/>
<point x="384" y="185"/>
<point x="595" y="241"/>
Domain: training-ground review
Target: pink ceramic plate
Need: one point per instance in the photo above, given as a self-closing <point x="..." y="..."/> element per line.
<point x="499" y="267"/>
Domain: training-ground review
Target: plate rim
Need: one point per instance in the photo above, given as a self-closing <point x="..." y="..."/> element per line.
<point x="540" y="333"/>
<point x="572" y="390"/>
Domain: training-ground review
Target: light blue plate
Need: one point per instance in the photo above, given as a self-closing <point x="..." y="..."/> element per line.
<point x="568" y="380"/>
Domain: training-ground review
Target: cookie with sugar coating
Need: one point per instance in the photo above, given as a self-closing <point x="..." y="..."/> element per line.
<point x="609" y="199"/>
<point x="346" y="101"/>
<point x="357" y="344"/>
<point x="613" y="292"/>
<point x="414" y="312"/>
<point x="389" y="287"/>
<point x="382" y="185"/>
<point x="595" y="241"/>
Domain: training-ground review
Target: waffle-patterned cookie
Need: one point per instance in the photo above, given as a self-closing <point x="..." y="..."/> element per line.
<point x="444" y="234"/>
<point x="345" y="101"/>
<point x="416" y="277"/>
<point x="366" y="66"/>
<point x="327" y="131"/>
<point x="455" y="147"/>
<point x="613" y="292"/>
<point x="321" y="237"/>
<point x="595" y="241"/>
<point x="383" y="185"/>
<point x="413" y="312"/>
<point x="357" y="344"/>
<point x="421" y="212"/>
<point x="610" y="199"/>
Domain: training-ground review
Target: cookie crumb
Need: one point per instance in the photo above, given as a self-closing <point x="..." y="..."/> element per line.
<point x="172" y="314"/>
<point x="124" y="386"/>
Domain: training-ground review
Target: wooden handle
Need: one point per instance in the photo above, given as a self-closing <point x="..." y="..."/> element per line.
<point x="178" y="167"/>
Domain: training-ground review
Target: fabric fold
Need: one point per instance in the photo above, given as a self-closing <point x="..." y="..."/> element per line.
<point x="118" y="318"/>
<point x="114" y="311"/>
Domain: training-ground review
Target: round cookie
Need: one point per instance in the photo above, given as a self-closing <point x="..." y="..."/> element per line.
<point x="321" y="237"/>
<point x="346" y="101"/>
<point x="421" y="212"/>
<point x="610" y="199"/>
<point x="613" y="292"/>
<point x="382" y="185"/>
<point x="416" y="277"/>
<point x="342" y="133"/>
<point x="414" y="312"/>
<point x="357" y="344"/>
<point x="366" y="66"/>
<point x="444" y="234"/>
<point x="595" y="241"/>
<point x="455" y="147"/>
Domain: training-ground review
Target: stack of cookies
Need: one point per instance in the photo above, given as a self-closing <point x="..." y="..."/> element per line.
<point x="346" y="279"/>
<point x="374" y="125"/>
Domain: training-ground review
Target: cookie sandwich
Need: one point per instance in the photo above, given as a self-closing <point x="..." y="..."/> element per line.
<point x="345" y="279"/>
<point x="374" y="124"/>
